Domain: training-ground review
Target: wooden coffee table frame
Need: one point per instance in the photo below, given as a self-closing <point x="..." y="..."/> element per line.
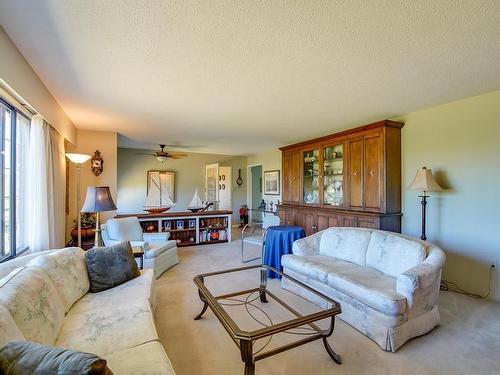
<point x="245" y="339"/>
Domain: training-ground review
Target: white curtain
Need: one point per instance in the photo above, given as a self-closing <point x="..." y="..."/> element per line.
<point x="46" y="187"/>
<point x="23" y="153"/>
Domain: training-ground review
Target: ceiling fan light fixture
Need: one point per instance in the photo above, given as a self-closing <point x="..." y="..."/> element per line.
<point x="161" y="158"/>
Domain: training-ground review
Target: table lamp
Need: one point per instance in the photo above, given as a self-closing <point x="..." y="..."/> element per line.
<point x="98" y="200"/>
<point x="424" y="181"/>
<point x="78" y="159"/>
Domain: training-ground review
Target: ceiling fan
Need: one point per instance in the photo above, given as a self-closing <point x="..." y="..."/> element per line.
<point x="162" y="156"/>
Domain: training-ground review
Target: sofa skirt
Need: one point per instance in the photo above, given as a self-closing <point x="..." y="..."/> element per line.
<point x="389" y="332"/>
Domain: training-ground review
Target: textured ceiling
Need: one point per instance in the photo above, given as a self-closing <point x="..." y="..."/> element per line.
<point x="239" y="77"/>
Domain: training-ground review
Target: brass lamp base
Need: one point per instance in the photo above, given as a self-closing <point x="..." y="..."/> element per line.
<point x="98" y="237"/>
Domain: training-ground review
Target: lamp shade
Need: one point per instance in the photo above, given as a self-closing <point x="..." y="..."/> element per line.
<point x="424" y="181"/>
<point x="98" y="199"/>
<point x="77" y="158"/>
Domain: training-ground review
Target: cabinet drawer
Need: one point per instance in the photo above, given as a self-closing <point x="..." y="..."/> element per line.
<point x="369" y="222"/>
<point x="349" y="221"/>
<point x="326" y="221"/>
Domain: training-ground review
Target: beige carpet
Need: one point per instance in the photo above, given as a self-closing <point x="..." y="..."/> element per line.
<point x="467" y="342"/>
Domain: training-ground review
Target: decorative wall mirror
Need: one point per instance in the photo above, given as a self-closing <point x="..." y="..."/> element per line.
<point x="162" y="181"/>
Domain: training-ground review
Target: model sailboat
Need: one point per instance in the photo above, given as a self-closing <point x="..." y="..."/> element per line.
<point x="158" y="199"/>
<point x="196" y="204"/>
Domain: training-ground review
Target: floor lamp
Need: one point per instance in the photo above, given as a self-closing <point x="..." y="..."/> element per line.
<point x="78" y="159"/>
<point x="98" y="199"/>
<point x="424" y="181"/>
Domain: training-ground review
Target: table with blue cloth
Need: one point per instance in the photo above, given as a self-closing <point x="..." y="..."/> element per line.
<point x="279" y="240"/>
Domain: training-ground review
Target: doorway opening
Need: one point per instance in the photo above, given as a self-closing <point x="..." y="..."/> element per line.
<point x="256" y="192"/>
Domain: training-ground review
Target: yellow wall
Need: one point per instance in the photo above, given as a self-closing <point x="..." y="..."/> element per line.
<point x="270" y="160"/>
<point x="460" y="141"/>
<point x="88" y="143"/>
<point x="19" y="75"/>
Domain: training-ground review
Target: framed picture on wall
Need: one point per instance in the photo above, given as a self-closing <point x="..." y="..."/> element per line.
<point x="272" y="182"/>
<point x="161" y="181"/>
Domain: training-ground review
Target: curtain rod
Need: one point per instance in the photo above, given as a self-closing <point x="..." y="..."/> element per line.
<point x="20" y="103"/>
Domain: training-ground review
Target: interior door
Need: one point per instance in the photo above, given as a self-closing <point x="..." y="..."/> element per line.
<point x="355" y="172"/>
<point x="211" y="183"/>
<point x="225" y="191"/>
<point x="373" y="171"/>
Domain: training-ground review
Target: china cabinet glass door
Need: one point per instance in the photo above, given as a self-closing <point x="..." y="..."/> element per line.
<point x="311" y="176"/>
<point x="333" y="175"/>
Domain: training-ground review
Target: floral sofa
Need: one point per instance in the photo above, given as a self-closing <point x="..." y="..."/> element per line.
<point x="386" y="283"/>
<point x="47" y="300"/>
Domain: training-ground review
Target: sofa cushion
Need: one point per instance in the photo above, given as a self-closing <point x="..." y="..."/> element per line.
<point x="316" y="267"/>
<point x="369" y="286"/>
<point x="393" y="254"/>
<point x="124" y="229"/>
<point x="110" y="266"/>
<point x="364" y="284"/>
<point x="21" y="357"/>
<point x="137" y="289"/>
<point x="19" y="261"/>
<point x="8" y="328"/>
<point x="109" y="329"/>
<point x="149" y="358"/>
<point x="67" y="270"/>
<point x="348" y="244"/>
<point x="33" y="303"/>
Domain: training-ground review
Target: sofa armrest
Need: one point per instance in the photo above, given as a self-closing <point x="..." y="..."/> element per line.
<point x="308" y="245"/>
<point x="420" y="284"/>
<point x="156" y="237"/>
<point x="143" y="244"/>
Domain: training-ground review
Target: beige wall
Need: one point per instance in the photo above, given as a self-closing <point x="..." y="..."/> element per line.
<point x="189" y="175"/>
<point x="460" y="141"/>
<point x="19" y="75"/>
<point x="88" y="143"/>
<point x="270" y="160"/>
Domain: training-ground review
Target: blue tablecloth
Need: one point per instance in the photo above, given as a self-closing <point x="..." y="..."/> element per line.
<point x="279" y="240"/>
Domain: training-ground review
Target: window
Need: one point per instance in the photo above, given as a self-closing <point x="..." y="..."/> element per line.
<point x="14" y="143"/>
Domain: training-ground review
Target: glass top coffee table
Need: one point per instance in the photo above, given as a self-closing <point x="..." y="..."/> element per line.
<point x="261" y="325"/>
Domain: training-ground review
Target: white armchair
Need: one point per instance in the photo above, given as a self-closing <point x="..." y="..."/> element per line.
<point x="160" y="253"/>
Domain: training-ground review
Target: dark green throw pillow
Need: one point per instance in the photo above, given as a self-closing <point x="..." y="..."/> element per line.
<point x="110" y="266"/>
<point x="23" y="358"/>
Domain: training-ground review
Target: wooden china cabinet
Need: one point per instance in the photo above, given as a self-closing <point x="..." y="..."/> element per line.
<point x="351" y="178"/>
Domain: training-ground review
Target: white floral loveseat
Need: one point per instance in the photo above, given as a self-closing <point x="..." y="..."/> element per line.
<point x="386" y="283"/>
<point x="48" y="301"/>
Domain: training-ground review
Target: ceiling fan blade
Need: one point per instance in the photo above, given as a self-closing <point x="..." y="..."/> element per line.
<point x="140" y="153"/>
<point x="177" y="156"/>
<point x="181" y="146"/>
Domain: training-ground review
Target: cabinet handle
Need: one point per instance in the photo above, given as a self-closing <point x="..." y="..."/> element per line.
<point x="294" y="177"/>
<point x="355" y="173"/>
<point x="314" y="227"/>
<point x="371" y="172"/>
